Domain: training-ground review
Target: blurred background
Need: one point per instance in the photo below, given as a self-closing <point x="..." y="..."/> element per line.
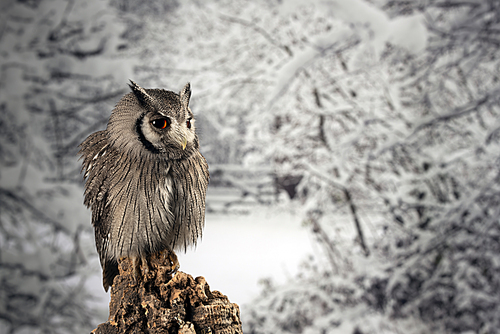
<point x="353" y="148"/>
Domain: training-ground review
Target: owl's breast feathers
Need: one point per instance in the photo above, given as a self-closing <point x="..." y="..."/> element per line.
<point x="141" y="205"/>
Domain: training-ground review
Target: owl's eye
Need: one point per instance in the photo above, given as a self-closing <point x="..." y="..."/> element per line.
<point x="188" y="123"/>
<point x="161" y="123"/>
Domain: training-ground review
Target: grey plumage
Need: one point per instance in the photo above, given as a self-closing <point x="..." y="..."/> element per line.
<point x="146" y="180"/>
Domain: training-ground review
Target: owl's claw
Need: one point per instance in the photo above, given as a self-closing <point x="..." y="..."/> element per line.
<point x="145" y="267"/>
<point x="174" y="262"/>
<point x="136" y="269"/>
<point x="140" y="266"/>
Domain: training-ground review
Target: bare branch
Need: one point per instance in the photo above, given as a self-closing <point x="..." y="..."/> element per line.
<point x="257" y="29"/>
<point x="347" y="195"/>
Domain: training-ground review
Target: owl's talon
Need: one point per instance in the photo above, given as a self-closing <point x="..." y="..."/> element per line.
<point x="136" y="270"/>
<point x="140" y="267"/>
<point x="145" y="267"/>
<point x="174" y="262"/>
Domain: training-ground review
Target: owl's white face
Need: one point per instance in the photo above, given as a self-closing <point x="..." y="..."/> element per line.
<point x="154" y="122"/>
<point x="168" y="131"/>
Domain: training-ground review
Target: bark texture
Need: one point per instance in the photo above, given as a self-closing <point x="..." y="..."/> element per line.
<point x="147" y="298"/>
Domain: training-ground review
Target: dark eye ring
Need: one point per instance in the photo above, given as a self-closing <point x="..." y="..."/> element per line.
<point x="188" y="123"/>
<point x="161" y="123"/>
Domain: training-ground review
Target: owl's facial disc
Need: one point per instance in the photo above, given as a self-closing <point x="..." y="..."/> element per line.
<point x="166" y="134"/>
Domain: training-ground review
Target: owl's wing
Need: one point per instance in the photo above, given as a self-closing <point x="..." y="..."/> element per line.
<point x="96" y="164"/>
<point x="93" y="152"/>
<point x="190" y="184"/>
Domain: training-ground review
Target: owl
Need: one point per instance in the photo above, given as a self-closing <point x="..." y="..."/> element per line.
<point x="145" y="178"/>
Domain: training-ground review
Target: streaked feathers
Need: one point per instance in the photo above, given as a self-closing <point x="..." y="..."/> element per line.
<point x="146" y="193"/>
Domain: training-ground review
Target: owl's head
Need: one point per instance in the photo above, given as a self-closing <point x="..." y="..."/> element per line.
<point x="154" y="122"/>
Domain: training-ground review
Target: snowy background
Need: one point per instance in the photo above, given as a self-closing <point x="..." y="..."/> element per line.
<point x="353" y="148"/>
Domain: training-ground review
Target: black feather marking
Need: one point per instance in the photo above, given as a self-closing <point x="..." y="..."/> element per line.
<point x="146" y="143"/>
<point x="135" y="222"/>
<point x="190" y="203"/>
<point x="146" y="203"/>
<point x="147" y="230"/>
<point x="122" y="223"/>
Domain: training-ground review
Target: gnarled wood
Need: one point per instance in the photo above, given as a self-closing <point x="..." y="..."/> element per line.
<point x="149" y="299"/>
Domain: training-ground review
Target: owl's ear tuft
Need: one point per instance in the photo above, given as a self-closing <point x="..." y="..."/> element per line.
<point x="141" y="94"/>
<point x="185" y="95"/>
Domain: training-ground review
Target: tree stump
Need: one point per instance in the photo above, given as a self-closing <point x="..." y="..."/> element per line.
<point x="155" y="301"/>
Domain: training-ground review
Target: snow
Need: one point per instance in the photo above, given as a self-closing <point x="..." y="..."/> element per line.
<point x="237" y="251"/>
<point x="409" y="32"/>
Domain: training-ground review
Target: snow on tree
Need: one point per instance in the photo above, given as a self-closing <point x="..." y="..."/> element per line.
<point x="403" y="144"/>
<point x="380" y="119"/>
<point x="449" y="272"/>
<point x="54" y="92"/>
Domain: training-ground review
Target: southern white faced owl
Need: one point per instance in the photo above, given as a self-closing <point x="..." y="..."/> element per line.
<point x="146" y="180"/>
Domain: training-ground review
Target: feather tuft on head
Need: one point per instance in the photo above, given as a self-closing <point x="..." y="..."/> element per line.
<point x="185" y="95"/>
<point x="141" y="94"/>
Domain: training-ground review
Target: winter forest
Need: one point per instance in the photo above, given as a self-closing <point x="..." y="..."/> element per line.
<point x="374" y="123"/>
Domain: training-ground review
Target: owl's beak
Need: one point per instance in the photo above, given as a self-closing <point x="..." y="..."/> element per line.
<point x="184" y="143"/>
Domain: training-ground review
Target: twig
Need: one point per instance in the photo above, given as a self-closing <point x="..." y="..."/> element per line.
<point x="328" y="244"/>
<point x="257" y="29"/>
<point x="458" y="112"/>
<point x="348" y="198"/>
